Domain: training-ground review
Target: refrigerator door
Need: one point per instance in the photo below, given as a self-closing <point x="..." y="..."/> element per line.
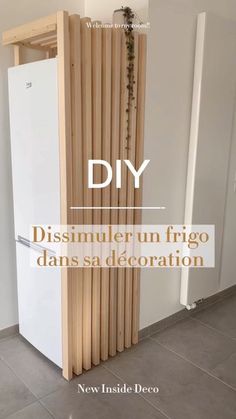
<point x="33" y="99"/>
<point x="39" y="301"/>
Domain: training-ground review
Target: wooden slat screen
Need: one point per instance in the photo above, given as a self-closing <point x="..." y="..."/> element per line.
<point x="100" y="307"/>
<point x="105" y="302"/>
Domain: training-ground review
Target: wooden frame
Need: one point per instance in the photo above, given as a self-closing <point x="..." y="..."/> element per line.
<point x="100" y="308"/>
<point x="32" y="31"/>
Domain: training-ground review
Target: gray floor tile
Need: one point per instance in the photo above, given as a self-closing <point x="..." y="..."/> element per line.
<point x="69" y="404"/>
<point x="152" y="365"/>
<point x="203" y="346"/>
<point x="40" y="375"/>
<point x="185" y="391"/>
<point x="34" y="411"/>
<point x="95" y="377"/>
<point x="221" y="316"/>
<point x="206" y="398"/>
<point x="226" y="370"/>
<point x="14" y="395"/>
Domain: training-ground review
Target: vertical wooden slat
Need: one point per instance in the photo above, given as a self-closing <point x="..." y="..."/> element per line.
<point x="139" y="159"/>
<point x="77" y="179"/>
<point x="17" y="55"/>
<point x="50" y="53"/>
<point x="106" y="145"/>
<point x="115" y="152"/>
<point x="97" y="193"/>
<point x="130" y="196"/>
<point x="53" y="52"/>
<point x="122" y="191"/>
<point x="64" y="101"/>
<point x="86" y="72"/>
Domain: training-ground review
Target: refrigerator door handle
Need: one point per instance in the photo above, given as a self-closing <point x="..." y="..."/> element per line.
<point x="37" y="247"/>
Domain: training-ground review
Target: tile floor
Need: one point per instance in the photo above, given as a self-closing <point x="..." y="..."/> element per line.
<point x="192" y="362"/>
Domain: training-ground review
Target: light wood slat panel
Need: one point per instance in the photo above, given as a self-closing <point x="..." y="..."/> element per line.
<point x="86" y="61"/>
<point x="77" y="178"/>
<point x="31" y="30"/>
<point x="97" y="193"/>
<point x="106" y="145"/>
<point x="122" y="191"/>
<point x="115" y="152"/>
<point x="130" y="197"/>
<point x="139" y="159"/>
<point x="64" y="101"/>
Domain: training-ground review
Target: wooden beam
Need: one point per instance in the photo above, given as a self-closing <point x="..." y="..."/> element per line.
<point x="17" y="55"/>
<point x="115" y="152"/>
<point x="49" y="53"/>
<point x="77" y="186"/>
<point x="42" y="38"/>
<point x="36" y="47"/>
<point x="30" y="30"/>
<point x="64" y="100"/>
<point x="97" y="194"/>
<point x="49" y="42"/>
<point x="122" y="191"/>
<point x="88" y="199"/>
<point x="141" y="86"/>
<point x="106" y="155"/>
<point x="130" y="197"/>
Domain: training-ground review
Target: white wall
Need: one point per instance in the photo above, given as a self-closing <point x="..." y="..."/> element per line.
<point x="15" y="13"/>
<point x="103" y="10"/>
<point x="228" y="267"/>
<point x="171" y="48"/>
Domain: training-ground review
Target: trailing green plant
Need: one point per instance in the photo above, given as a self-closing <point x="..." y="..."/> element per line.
<point x="128" y="28"/>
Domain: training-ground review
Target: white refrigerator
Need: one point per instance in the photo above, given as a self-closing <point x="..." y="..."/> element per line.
<point x="33" y="102"/>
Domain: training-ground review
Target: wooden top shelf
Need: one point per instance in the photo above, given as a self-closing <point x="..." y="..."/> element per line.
<point x="38" y="34"/>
